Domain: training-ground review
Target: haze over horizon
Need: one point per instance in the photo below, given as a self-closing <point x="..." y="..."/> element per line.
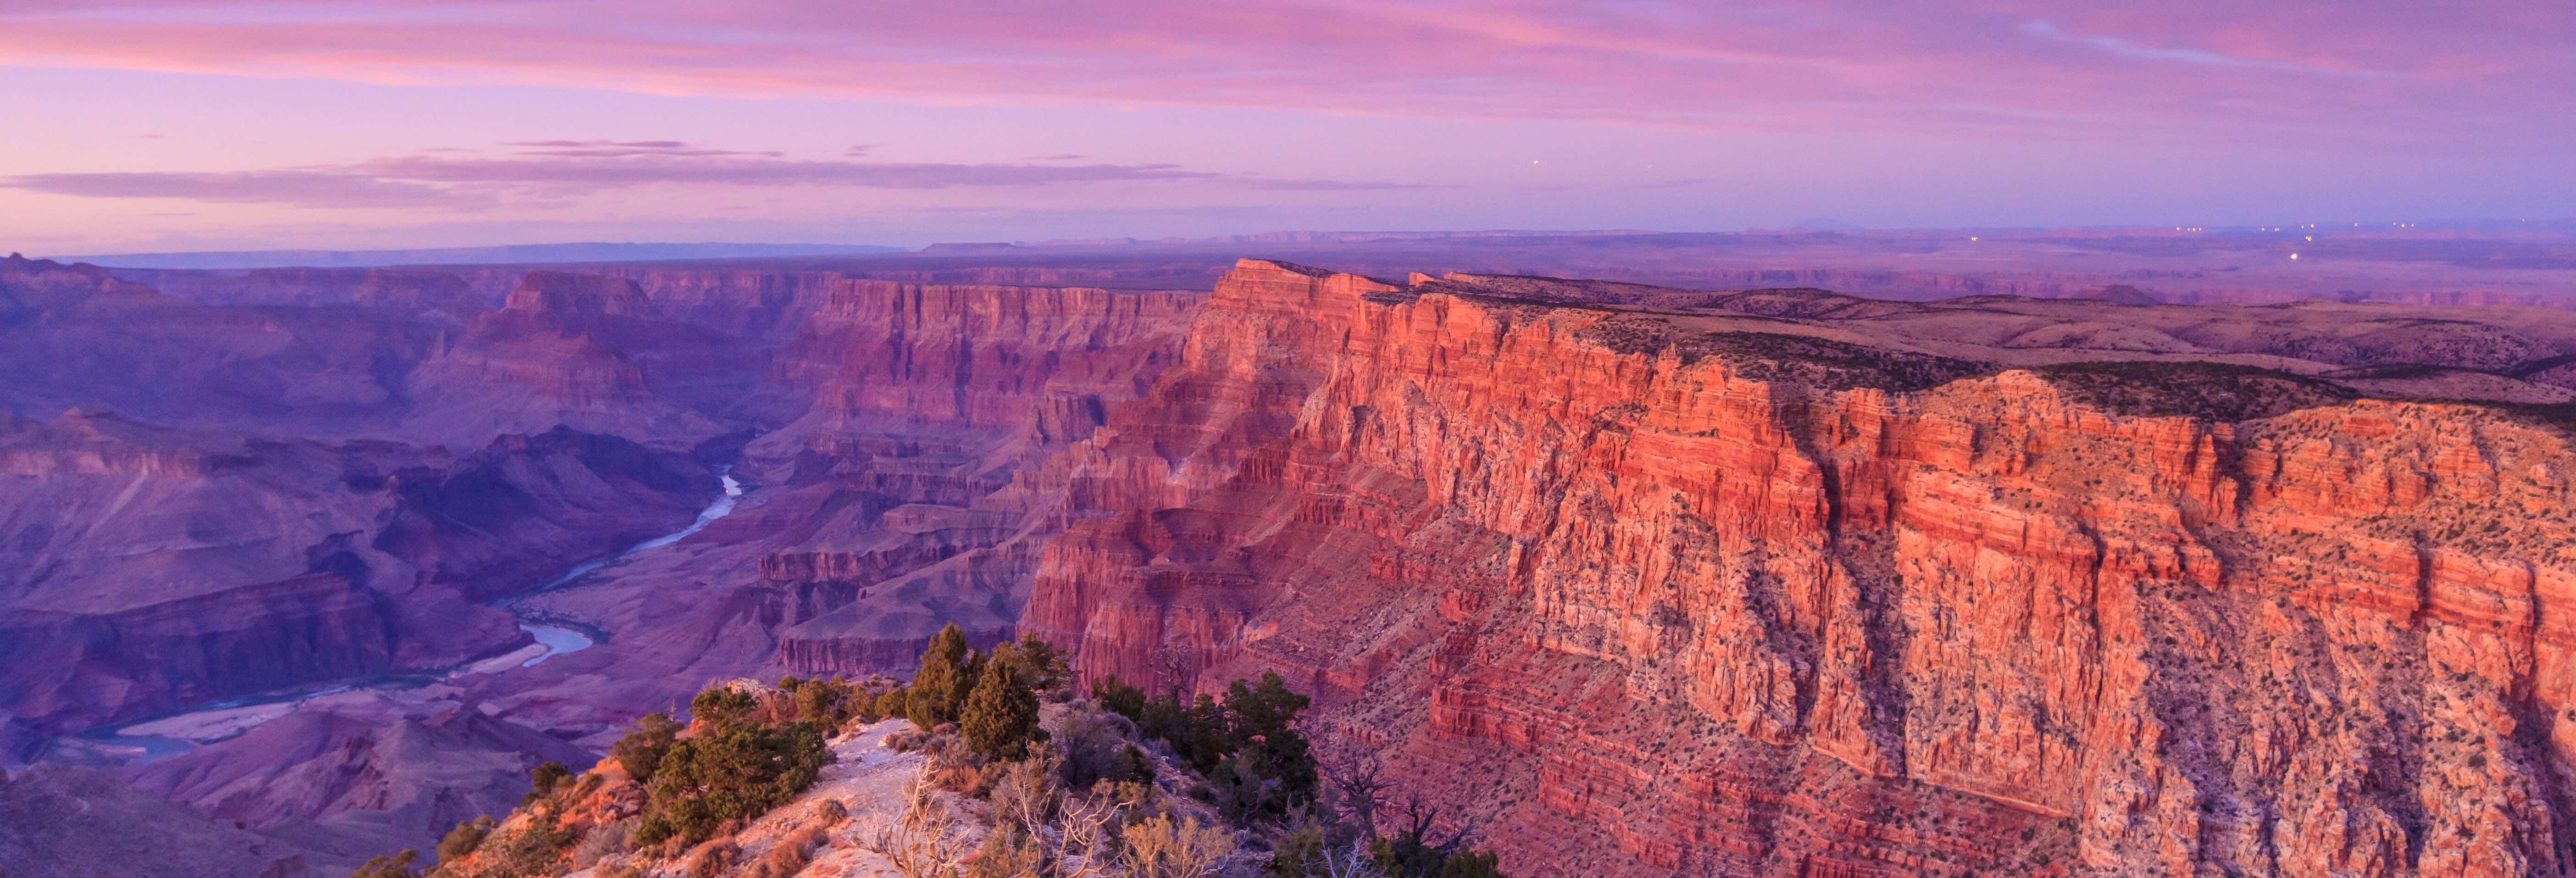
<point x="184" y="125"/>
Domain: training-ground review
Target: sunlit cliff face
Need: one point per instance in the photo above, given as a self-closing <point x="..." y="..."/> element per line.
<point x="226" y="124"/>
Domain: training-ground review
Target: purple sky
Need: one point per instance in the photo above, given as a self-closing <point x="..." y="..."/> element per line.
<point x="212" y="124"/>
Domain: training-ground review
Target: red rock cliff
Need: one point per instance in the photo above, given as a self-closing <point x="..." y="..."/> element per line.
<point x="925" y="400"/>
<point x="1630" y="610"/>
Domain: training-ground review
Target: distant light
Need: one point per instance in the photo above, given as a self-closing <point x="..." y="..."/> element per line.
<point x="1533" y="161"/>
<point x="2294" y="256"/>
<point x="2312" y="237"/>
<point x="1972" y="237"/>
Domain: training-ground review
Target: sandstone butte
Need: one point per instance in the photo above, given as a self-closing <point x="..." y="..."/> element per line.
<point x="1632" y="609"/>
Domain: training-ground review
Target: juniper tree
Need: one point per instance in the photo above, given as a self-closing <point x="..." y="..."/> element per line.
<point x="940" y="688"/>
<point x="1001" y="715"/>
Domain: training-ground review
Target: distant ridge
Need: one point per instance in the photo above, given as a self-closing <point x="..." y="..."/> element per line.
<point x="509" y="254"/>
<point x="1317" y="237"/>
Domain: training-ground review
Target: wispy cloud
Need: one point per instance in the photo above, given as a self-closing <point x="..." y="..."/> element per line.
<point x="627" y="148"/>
<point x="305" y="187"/>
<point x="1818" y="64"/>
<point x="2129" y="49"/>
<point x="569" y="169"/>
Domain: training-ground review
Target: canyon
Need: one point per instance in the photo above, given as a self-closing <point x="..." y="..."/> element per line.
<point x="1630" y="577"/>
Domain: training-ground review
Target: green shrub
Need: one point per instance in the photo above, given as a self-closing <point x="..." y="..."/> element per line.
<point x="1407" y="855"/>
<point x="723" y="706"/>
<point x="948" y="673"/>
<point x="1472" y="864"/>
<point x="1272" y="767"/>
<point x="1118" y="697"/>
<point x="890" y="704"/>
<point x="642" y="748"/>
<point x="1001" y="715"/>
<point x="393" y="866"/>
<point x="462" y="840"/>
<point x="823" y="701"/>
<point x="543" y="779"/>
<point x="1248" y="745"/>
<point x="1040" y="665"/>
<point x="536" y="848"/>
<point x="735" y="770"/>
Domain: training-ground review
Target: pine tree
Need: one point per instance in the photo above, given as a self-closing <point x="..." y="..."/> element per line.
<point x="940" y="688"/>
<point x="1001" y="715"/>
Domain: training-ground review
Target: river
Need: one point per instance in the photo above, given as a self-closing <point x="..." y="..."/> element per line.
<point x="170" y="734"/>
<point x="559" y="640"/>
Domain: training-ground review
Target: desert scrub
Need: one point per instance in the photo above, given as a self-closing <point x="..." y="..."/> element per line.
<point x="736" y="768"/>
<point x="2210" y="391"/>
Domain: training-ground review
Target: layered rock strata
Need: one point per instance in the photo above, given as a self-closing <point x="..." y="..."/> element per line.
<point x="1632" y="599"/>
<point x="144" y="568"/>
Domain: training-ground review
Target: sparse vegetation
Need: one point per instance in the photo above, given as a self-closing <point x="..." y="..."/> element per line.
<point x="734" y="769"/>
<point x="642" y="749"/>
<point x="389" y="866"/>
<point x="1000" y="719"/>
<point x="1821" y="363"/>
<point x="1161" y="848"/>
<point x="462" y="840"/>
<point x="713" y="858"/>
<point x="947" y="676"/>
<point x="1112" y="787"/>
<point x="1248" y="745"/>
<point x="2212" y="391"/>
<point x="543" y="779"/>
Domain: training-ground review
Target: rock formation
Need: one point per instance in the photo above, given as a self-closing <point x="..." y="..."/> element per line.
<point x="148" y="568"/>
<point x="360" y="774"/>
<point x="1638" y="593"/>
<point x="1631" y="579"/>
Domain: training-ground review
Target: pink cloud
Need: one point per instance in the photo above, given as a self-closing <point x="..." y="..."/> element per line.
<point x="444" y="180"/>
<point x="2473" y="71"/>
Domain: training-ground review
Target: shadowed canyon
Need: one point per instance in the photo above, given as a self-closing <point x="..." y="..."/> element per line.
<point x="1803" y="553"/>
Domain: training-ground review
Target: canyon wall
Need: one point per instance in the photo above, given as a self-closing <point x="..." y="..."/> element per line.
<point x="1633" y="580"/>
<point x="1631" y="601"/>
<point x="147" y="568"/>
<point x="884" y="507"/>
<point x="926" y="399"/>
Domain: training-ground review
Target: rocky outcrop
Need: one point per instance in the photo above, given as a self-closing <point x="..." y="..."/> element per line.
<point x="583" y="351"/>
<point x="758" y="303"/>
<point x="1638" y="607"/>
<point x="356" y="775"/>
<point x="926" y="400"/>
<point x="883" y="355"/>
<point x="575" y="296"/>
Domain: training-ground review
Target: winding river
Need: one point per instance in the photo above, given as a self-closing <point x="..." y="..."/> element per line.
<point x="559" y="640"/>
<point x="158" y="737"/>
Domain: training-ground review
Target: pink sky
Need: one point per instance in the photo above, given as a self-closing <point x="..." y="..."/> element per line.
<point x="207" y="124"/>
